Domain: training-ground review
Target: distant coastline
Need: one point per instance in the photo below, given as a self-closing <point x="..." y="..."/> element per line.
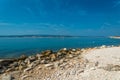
<point x="115" y="37"/>
<point x="43" y="36"/>
<point x="35" y="36"/>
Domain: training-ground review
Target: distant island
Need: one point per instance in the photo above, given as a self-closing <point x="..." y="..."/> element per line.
<point x="115" y="37"/>
<point x="35" y="36"/>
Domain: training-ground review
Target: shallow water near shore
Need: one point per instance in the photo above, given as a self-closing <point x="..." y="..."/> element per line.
<point x="14" y="47"/>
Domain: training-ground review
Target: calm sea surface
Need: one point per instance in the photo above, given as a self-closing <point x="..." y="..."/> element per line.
<point x="14" y="47"/>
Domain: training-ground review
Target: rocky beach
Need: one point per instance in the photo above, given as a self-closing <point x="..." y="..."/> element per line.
<point x="99" y="63"/>
<point x="59" y="39"/>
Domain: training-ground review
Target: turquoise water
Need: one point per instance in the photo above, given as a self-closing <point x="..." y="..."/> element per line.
<point x="14" y="47"/>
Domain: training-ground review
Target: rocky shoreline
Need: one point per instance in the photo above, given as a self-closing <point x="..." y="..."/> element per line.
<point x="46" y="60"/>
<point x="45" y="57"/>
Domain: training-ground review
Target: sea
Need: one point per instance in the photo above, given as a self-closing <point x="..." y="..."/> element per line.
<point x="15" y="47"/>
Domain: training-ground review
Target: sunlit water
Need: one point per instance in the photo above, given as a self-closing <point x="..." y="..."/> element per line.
<point x="14" y="47"/>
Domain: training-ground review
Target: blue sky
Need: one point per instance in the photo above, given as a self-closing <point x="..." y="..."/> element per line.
<point x="61" y="17"/>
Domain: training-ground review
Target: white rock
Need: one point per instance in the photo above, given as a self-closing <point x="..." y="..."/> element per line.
<point x="64" y="49"/>
<point x="74" y="50"/>
<point x="103" y="46"/>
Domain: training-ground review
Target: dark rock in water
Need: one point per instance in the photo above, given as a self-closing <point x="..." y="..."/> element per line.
<point x="6" y="77"/>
